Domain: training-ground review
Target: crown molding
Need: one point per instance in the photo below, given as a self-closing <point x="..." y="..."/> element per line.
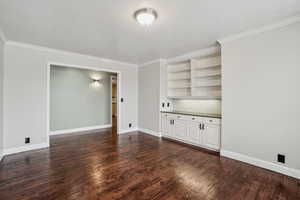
<point x="199" y="53"/>
<point x="277" y="25"/>
<point x="2" y="36"/>
<point x="41" y="48"/>
<point x="150" y="62"/>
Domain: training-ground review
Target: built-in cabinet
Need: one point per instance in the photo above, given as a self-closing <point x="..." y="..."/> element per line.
<point x="195" y="78"/>
<point x="200" y="131"/>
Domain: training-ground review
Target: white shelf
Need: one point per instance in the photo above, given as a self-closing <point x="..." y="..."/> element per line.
<point x="179" y="84"/>
<point x="207" y="72"/>
<point x="205" y="92"/>
<point x="195" y="97"/>
<point x="195" y="78"/>
<point x="181" y="70"/>
<point x="180" y="67"/>
<point x="179" y="79"/>
<point x="179" y="76"/>
<point x="183" y="87"/>
<point x="206" y="63"/>
<point x="201" y="86"/>
<point x="207" y="82"/>
<point x="179" y="92"/>
<point x="208" y="75"/>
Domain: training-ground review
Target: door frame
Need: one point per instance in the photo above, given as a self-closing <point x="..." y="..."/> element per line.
<point x="111" y="80"/>
<point x="119" y="91"/>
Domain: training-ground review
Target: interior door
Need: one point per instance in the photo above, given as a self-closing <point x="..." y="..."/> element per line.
<point x="211" y="136"/>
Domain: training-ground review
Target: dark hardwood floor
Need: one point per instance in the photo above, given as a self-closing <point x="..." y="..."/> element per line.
<point x="134" y="166"/>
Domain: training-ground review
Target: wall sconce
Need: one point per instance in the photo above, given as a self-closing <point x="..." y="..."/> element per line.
<point x="96" y="83"/>
<point x="96" y="80"/>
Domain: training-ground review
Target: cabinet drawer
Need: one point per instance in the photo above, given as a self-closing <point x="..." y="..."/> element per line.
<point x="206" y="120"/>
<point x="196" y="119"/>
<point x="164" y="115"/>
<point x="177" y="116"/>
<point x="212" y="121"/>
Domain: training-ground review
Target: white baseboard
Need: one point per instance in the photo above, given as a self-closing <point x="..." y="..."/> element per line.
<point x="150" y="132"/>
<point x="90" y="128"/>
<point x="262" y="163"/>
<point x="24" y="148"/>
<point x="127" y="130"/>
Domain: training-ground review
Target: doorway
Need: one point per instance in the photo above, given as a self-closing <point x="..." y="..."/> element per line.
<point x="95" y="84"/>
<point x="114" y="103"/>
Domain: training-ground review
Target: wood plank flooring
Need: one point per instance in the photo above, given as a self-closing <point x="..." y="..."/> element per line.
<point x="134" y="166"/>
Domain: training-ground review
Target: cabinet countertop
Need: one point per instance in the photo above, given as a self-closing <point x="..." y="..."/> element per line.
<point x="193" y="114"/>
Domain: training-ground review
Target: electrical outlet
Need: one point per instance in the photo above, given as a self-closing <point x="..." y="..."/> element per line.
<point x="130" y="125"/>
<point x="281" y="158"/>
<point x="27" y="140"/>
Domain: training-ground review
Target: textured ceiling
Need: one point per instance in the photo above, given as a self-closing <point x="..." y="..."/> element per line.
<point x="106" y="28"/>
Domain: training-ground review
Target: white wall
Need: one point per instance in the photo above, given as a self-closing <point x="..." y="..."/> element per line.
<point x="261" y="96"/>
<point x="25" y="90"/>
<point x="149" y="96"/>
<point x="1" y="95"/>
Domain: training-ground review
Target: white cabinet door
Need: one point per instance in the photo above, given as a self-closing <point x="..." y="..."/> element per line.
<point x="171" y="127"/>
<point x="164" y="124"/>
<point x="211" y="136"/>
<point x="194" y="133"/>
<point x="180" y="129"/>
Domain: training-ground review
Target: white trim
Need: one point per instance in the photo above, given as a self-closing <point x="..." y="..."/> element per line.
<point x="128" y="130"/>
<point x="150" y="62"/>
<point x="150" y="132"/>
<point x="111" y="103"/>
<point x="24" y="148"/>
<point x="119" y="96"/>
<point x="200" y="53"/>
<point x="261" y="163"/>
<point x="84" y="67"/>
<point x="110" y="85"/>
<point x="41" y="48"/>
<point x="263" y="29"/>
<point x="75" y="130"/>
<point x="48" y="104"/>
<point x="2" y="36"/>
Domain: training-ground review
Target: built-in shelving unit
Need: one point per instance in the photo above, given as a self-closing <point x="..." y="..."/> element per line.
<point x="206" y="77"/>
<point x="195" y="78"/>
<point x="179" y="79"/>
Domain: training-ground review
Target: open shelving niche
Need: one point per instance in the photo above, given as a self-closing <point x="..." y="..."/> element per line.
<point x="197" y="78"/>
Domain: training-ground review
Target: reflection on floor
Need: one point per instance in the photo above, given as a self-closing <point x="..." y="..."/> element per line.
<point x="114" y="125"/>
<point x="134" y="166"/>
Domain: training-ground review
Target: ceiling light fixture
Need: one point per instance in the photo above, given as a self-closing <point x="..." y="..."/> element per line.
<point x="145" y="16"/>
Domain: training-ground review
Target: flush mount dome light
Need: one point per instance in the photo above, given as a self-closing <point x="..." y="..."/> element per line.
<point x="145" y="16"/>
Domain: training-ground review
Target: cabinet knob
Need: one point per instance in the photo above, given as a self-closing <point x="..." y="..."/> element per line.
<point x="193" y="118"/>
<point x="178" y="116"/>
